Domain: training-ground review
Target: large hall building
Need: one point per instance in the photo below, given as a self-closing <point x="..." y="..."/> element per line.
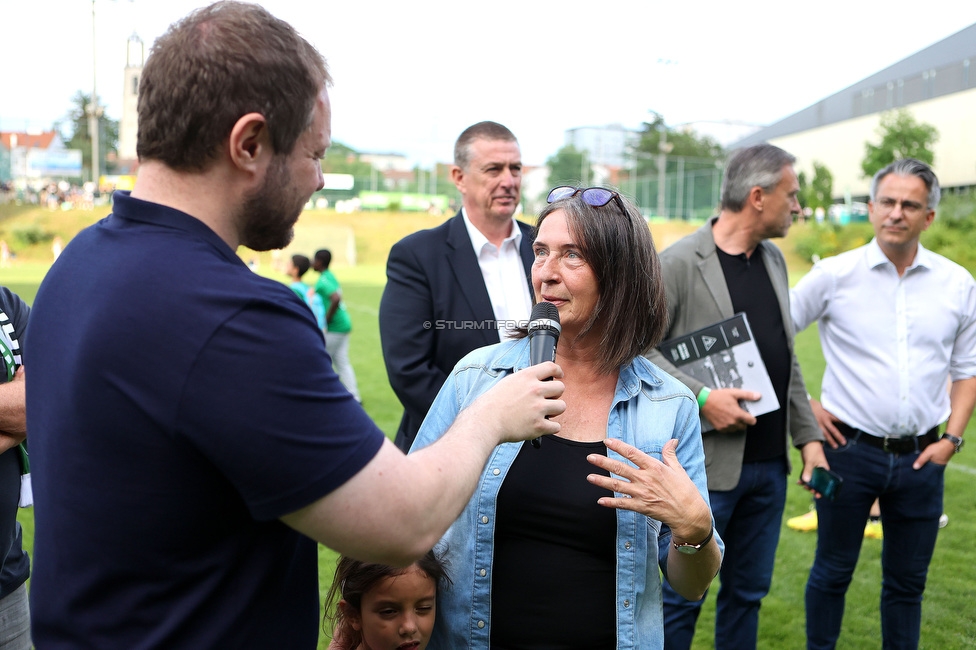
<point x="936" y="85"/>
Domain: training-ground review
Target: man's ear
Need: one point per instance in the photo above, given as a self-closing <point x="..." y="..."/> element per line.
<point x="351" y="614"/>
<point x="250" y="143"/>
<point x="756" y="198"/>
<point x="457" y="176"/>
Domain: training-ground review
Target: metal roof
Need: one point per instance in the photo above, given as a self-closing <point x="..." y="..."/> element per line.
<point x="954" y="51"/>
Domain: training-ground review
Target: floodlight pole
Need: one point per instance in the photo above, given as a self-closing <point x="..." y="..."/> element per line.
<point x="662" y="161"/>
<point x="93" y="111"/>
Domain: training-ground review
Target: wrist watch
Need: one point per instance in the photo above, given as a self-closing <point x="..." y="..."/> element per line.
<point x="956" y="441"/>
<point x="691" y="549"/>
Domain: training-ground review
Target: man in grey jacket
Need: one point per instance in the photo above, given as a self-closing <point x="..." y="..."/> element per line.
<point x="724" y="268"/>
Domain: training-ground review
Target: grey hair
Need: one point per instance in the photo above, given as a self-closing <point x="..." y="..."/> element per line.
<point x="911" y="167"/>
<point x="757" y="166"/>
<point x="479" y="131"/>
<point x="631" y="314"/>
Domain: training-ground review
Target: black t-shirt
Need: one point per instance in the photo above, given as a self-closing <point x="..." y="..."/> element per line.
<point x="554" y="572"/>
<point x="752" y="292"/>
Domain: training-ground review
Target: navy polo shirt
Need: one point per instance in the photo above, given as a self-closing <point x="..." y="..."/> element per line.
<point x="178" y="405"/>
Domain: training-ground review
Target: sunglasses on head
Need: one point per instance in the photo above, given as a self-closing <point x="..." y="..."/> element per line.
<point x="593" y="196"/>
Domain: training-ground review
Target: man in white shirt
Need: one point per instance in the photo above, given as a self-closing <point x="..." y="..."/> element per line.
<point x="461" y="285"/>
<point x="895" y="321"/>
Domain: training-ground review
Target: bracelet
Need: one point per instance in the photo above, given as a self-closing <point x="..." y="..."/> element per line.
<point x="702" y="396"/>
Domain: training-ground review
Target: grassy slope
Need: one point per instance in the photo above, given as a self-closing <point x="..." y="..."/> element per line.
<point x="953" y="571"/>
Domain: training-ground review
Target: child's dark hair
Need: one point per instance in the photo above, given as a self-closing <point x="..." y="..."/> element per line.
<point x="353" y="578"/>
<point x="324" y="257"/>
<point x="301" y="263"/>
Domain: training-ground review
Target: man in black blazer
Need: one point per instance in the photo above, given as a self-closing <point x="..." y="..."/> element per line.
<point x="459" y="286"/>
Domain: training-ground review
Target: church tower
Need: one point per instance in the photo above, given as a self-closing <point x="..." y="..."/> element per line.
<point x="134" y="59"/>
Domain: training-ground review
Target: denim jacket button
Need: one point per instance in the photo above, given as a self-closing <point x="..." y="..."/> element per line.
<point x="626" y="603"/>
<point x="481" y="623"/>
<point x="496" y="471"/>
<point x="484" y="519"/>
<point x="627" y="545"/>
<point x="483" y="573"/>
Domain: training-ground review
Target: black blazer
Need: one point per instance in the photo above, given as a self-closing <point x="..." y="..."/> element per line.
<point x="433" y="277"/>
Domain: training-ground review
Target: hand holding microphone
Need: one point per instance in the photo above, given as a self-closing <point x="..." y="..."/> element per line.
<point x="544" y="332"/>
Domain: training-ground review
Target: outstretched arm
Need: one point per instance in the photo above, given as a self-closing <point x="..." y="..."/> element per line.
<point x="397" y="507"/>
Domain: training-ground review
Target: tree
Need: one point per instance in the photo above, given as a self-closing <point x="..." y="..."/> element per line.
<point x="77" y="122"/>
<point x="818" y="193"/>
<point x="341" y="159"/>
<point x="568" y="167"/>
<point x="684" y="143"/>
<point x="901" y="137"/>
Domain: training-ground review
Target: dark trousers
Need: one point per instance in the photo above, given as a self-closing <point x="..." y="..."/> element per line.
<point x="911" y="503"/>
<point x="748" y="519"/>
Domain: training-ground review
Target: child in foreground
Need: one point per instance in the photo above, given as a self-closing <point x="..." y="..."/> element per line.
<point x="384" y="607"/>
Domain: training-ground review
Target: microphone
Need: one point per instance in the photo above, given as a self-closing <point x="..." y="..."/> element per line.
<point x="544" y="332"/>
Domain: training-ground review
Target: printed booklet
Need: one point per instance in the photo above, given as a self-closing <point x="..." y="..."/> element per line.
<point x="724" y="355"/>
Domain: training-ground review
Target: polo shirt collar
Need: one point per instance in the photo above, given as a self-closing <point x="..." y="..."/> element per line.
<point x="129" y="208"/>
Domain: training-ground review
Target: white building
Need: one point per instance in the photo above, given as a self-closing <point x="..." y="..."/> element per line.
<point x="936" y="85"/>
<point x="607" y="146"/>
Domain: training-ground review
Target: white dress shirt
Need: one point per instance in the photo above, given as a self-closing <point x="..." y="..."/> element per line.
<point x="891" y="343"/>
<point x="504" y="275"/>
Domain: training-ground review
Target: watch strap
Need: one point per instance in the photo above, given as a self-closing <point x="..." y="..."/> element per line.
<point x="956" y="441"/>
<point x="690" y="549"/>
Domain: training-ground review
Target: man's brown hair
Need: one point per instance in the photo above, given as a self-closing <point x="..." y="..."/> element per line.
<point x="213" y="67"/>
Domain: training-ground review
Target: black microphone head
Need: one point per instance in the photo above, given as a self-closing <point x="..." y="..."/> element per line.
<point x="544" y="316"/>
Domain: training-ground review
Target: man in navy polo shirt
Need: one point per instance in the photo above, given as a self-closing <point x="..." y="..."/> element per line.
<point x="189" y="437"/>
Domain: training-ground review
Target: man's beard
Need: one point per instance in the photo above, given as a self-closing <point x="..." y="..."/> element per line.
<point x="269" y="214"/>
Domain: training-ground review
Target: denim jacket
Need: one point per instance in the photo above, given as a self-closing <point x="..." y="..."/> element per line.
<point x="649" y="408"/>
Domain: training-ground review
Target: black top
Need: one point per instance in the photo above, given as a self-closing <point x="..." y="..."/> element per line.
<point x="553" y="578"/>
<point x="752" y="293"/>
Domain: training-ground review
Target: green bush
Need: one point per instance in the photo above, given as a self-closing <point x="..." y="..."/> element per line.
<point x="952" y="234"/>
<point x="31" y="235"/>
<point x="824" y="240"/>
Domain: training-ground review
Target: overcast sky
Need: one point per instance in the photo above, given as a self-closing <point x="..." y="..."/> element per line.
<point x="410" y="76"/>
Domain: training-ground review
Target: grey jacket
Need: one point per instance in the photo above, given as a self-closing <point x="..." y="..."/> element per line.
<point x="698" y="297"/>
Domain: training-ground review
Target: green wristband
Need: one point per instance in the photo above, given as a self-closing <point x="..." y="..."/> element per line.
<point x="702" y="396"/>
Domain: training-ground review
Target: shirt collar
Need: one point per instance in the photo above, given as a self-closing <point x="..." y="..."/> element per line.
<point x="876" y="257"/>
<point x="127" y="207"/>
<point x="478" y="240"/>
<point x="513" y="355"/>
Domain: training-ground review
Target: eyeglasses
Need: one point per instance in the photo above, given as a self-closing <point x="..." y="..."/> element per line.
<point x="885" y="205"/>
<point x="593" y="196"/>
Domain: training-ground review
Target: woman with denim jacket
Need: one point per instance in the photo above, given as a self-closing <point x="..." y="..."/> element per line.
<point x="561" y="544"/>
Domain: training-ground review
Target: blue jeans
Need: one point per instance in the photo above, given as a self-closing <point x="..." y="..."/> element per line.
<point x="749" y="519"/>
<point x="911" y="503"/>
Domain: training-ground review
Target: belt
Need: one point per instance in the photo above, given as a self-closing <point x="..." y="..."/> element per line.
<point x="891" y="444"/>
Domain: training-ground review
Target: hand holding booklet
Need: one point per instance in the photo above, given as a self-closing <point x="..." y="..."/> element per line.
<point x="724" y="355"/>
